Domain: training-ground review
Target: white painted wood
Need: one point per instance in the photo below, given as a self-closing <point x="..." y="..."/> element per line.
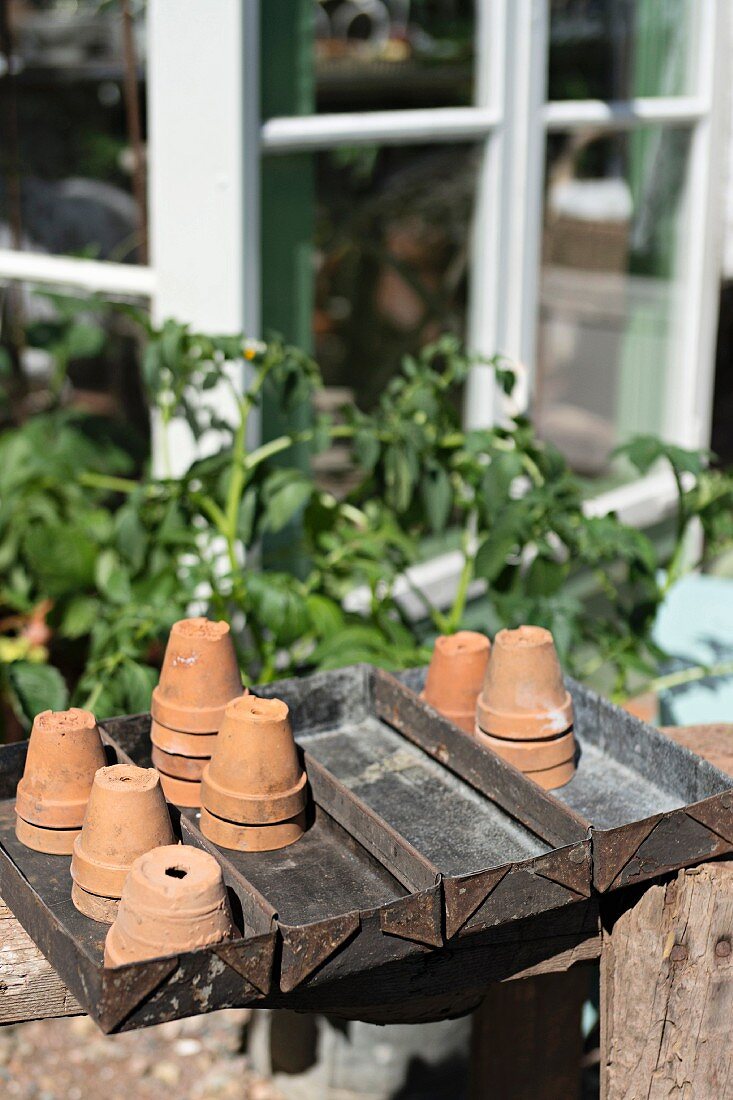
<point x="487" y="238"/>
<point x="123" y="280"/>
<point x="203" y="106"/>
<point x="576" y="114"/>
<point x="311" y="132"/>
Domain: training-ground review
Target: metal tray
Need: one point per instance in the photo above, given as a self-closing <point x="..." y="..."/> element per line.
<point x="652" y="805"/>
<point x="37" y="888"/>
<point x="450" y="822"/>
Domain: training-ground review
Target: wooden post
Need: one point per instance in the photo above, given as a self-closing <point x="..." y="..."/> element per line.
<point x="667" y="990"/>
<point x="527" y="1042"/>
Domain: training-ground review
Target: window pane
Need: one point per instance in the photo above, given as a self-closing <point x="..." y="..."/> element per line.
<point x="608" y="290"/>
<point x="376" y="54"/>
<point x="392" y="257"/>
<point x="616" y="49"/>
<point x="71" y="128"/>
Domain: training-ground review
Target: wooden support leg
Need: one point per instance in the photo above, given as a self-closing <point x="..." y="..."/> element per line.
<point x="527" y="1042"/>
<point x="667" y="990"/>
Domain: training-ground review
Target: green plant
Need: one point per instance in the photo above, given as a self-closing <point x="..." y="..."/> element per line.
<point x="106" y="562"/>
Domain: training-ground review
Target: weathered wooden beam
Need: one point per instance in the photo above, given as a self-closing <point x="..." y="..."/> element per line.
<point x="667" y="990"/>
<point x="526" y="1041"/>
<point x="30" y="989"/>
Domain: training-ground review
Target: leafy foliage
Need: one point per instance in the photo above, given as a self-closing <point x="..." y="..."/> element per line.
<point x="95" y="565"/>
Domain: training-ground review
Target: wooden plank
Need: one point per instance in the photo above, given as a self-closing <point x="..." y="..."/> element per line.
<point x="30" y="989"/>
<point x="667" y="989"/>
<point x="527" y="1041"/>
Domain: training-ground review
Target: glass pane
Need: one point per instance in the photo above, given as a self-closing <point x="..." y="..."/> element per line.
<point x="608" y="289"/>
<point x="380" y="54"/>
<point x="72" y="128"/>
<point x="79" y="352"/>
<point x="392" y="234"/>
<point x="616" y="49"/>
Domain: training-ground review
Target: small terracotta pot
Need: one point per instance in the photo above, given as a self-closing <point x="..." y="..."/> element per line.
<point x="552" y="778"/>
<point x="181" y="792"/>
<point x="200" y="675"/>
<point x="252" y="838"/>
<point x="456" y="674"/>
<point x="254" y="776"/>
<point x="126" y="816"/>
<point x="64" y="752"/>
<point x="174" y="901"/>
<point x="102" y="910"/>
<point x="52" y="842"/>
<point x="548" y="752"/>
<point x="182" y="744"/>
<point x="523" y="696"/>
<point x="179" y="767"/>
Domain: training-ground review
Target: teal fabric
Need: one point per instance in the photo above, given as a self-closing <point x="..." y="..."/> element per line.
<point x="696" y="625"/>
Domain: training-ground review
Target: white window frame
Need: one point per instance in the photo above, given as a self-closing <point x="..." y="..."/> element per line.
<point x="206" y="139"/>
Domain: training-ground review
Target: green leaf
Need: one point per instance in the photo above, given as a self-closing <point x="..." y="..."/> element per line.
<point x="326" y="615"/>
<point x="437" y="497"/>
<point x="286" y="493"/>
<point x="137" y="682"/>
<point x="130" y="537"/>
<point x="112" y="578"/>
<point x="37" y="687"/>
<point x="62" y="558"/>
<point x="79" y="616"/>
<point x="84" y="341"/>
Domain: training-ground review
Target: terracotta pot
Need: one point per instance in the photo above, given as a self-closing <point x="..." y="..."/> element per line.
<point x="126" y="816"/>
<point x="644" y="707"/>
<point x="181" y="792"/>
<point x="179" y="767"/>
<point x="174" y="901"/>
<point x="523" y="696"/>
<point x="254" y="776"/>
<point x="64" y="752"/>
<point x="548" y="752"/>
<point x="456" y="674"/>
<point x="252" y="838"/>
<point x="552" y="778"/>
<point x="53" y="842"/>
<point x="199" y="745"/>
<point x="102" y="910"/>
<point x="200" y="675"/>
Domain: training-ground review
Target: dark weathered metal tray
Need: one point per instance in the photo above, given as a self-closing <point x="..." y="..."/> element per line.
<point x="37" y="888"/>
<point x="442" y="817"/>
<point x="652" y="805"/>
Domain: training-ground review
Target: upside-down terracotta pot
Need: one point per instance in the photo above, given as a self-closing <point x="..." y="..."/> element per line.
<point x="64" y="752"/>
<point x="174" y="900"/>
<point x="524" y="696"/>
<point x="254" y="779"/>
<point x="200" y="675"/>
<point x="126" y="816"/>
<point x="456" y="674"/>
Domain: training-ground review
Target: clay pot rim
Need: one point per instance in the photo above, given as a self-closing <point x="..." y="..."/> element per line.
<point x="201" y="744"/>
<point x="186" y="719"/>
<point x="253" y="809"/>
<point x="201" y="628"/>
<point x="464" y="719"/>
<point x="51" y="842"/>
<point x="226" y="834"/>
<point x="96" y="907"/>
<point x="525" y="725"/>
<point x="51" y="813"/>
<point x="181" y="792"/>
<point x="526" y="636"/>
<point x="258" y="709"/>
<point x="53" y="718"/>
<point x="551" y="773"/>
<point x="176" y="766"/>
<point x="531" y="755"/>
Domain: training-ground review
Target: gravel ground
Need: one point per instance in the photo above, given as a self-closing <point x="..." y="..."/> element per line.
<point x="196" y="1059"/>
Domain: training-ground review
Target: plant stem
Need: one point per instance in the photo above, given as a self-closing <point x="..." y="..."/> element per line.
<point x="112" y="484"/>
<point x="688" y="676"/>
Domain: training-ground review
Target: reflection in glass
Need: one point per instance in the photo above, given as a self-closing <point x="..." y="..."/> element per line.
<point x="615" y="49"/>
<point x="392" y="254"/>
<point x="71" y="128"/>
<point x="377" y="54"/>
<point x="608" y="288"/>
